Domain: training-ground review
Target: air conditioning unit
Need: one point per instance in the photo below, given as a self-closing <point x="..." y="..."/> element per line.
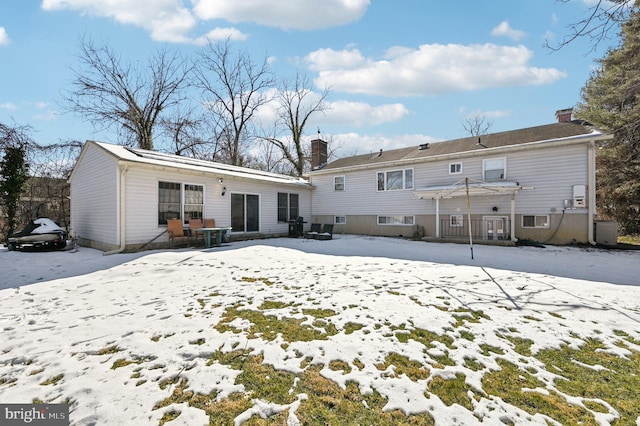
<point x="579" y="196"/>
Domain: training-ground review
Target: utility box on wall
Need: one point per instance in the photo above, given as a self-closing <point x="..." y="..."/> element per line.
<point x="606" y="232"/>
<point x="579" y="195"/>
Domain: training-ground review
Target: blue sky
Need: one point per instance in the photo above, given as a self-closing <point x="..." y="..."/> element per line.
<point x="400" y="72"/>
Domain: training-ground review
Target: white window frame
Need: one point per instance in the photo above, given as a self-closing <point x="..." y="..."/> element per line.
<point x="485" y="169"/>
<point x="183" y="200"/>
<point x="397" y="220"/>
<point x="456" y="220"/>
<point x="339" y="220"/>
<point x="385" y="180"/>
<point x="456" y="164"/>
<point x="336" y="184"/>
<point x="535" y="217"/>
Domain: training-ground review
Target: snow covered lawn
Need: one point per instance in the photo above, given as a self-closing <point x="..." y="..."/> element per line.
<point x="355" y="330"/>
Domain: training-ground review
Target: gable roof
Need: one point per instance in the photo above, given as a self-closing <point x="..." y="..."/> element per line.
<point x="549" y="133"/>
<point x="218" y="170"/>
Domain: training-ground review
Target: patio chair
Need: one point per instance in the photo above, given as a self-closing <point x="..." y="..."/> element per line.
<point x="174" y="227"/>
<point x="327" y="232"/>
<point x="195" y="224"/>
<point x="209" y="223"/>
<point x="314" y="231"/>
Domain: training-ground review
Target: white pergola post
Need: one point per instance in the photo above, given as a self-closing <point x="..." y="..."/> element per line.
<point x="513" y="217"/>
<point x="437" y="217"/>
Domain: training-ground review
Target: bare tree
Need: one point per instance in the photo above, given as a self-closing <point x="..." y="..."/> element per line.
<point x="477" y="125"/>
<point x="604" y="17"/>
<point x="233" y="87"/>
<point x="107" y="92"/>
<point x="296" y="103"/>
<point x="47" y="192"/>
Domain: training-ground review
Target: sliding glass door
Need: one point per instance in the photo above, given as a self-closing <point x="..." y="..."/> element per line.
<point x="245" y="212"/>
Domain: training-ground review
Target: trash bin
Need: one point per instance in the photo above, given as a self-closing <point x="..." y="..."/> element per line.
<point x="296" y="227"/>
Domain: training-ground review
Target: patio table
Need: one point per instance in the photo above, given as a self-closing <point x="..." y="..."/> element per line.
<point x="218" y="235"/>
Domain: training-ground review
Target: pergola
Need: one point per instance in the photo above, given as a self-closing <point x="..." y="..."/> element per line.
<point x="469" y="188"/>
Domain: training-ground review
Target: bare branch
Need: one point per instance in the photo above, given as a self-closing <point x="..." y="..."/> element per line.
<point x="477" y="125"/>
<point x="604" y="17"/>
<point x="297" y="102"/>
<point x="107" y="92"/>
<point x="233" y="87"/>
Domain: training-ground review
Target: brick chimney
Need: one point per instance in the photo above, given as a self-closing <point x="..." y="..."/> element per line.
<point x="318" y="153"/>
<point x="564" y="115"/>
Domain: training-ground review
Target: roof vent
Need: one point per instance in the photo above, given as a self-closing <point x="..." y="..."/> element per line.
<point x="380" y="153"/>
<point x="424" y="146"/>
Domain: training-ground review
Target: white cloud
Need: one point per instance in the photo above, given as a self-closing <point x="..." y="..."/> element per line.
<point x="4" y="37"/>
<point x="221" y="34"/>
<point x="298" y="14"/>
<point x="358" y="114"/>
<point x="8" y="105"/>
<point x="324" y="59"/>
<point x="354" y="114"/>
<point x="429" y="70"/>
<point x="346" y="144"/>
<point x="504" y="29"/>
<point x="166" y="20"/>
<point x="48" y="115"/>
<point x="171" y="21"/>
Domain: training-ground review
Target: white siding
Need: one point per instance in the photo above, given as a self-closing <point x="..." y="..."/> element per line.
<point x="94" y="205"/>
<point x="142" y="200"/>
<point x="552" y="171"/>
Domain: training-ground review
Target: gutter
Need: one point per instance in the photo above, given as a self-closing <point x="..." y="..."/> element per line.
<point x="121" y="219"/>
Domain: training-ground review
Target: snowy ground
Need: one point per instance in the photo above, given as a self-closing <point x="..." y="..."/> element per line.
<point x="66" y="318"/>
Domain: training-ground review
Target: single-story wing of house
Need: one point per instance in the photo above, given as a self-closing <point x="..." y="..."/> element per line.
<point x="535" y="184"/>
<point x="122" y="198"/>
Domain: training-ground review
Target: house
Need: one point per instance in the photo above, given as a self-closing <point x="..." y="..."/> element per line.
<point x="121" y="197"/>
<point x="533" y="184"/>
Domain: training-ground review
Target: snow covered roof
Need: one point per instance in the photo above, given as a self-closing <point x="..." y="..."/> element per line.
<point x="143" y="156"/>
<point x="543" y="135"/>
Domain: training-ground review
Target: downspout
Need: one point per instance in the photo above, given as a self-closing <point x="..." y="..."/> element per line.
<point x="121" y="220"/>
<point x="591" y="173"/>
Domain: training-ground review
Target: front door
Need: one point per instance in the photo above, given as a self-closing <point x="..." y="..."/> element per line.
<point x="495" y="227"/>
<point x="245" y="213"/>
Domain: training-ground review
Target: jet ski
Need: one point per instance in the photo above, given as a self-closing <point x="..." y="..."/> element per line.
<point x="42" y="233"/>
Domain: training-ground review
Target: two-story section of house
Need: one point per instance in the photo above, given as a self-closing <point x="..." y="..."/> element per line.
<point x="535" y="184"/>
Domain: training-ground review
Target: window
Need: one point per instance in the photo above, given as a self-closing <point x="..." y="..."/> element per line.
<point x="494" y="169"/>
<point x="396" y="220"/>
<point x="535" y="221"/>
<point x="177" y="201"/>
<point x="395" y="179"/>
<point x="455" y="168"/>
<point x="193" y="201"/>
<point x="288" y="206"/>
<point x="456" y="220"/>
<point x="338" y="183"/>
<point x="340" y="220"/>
